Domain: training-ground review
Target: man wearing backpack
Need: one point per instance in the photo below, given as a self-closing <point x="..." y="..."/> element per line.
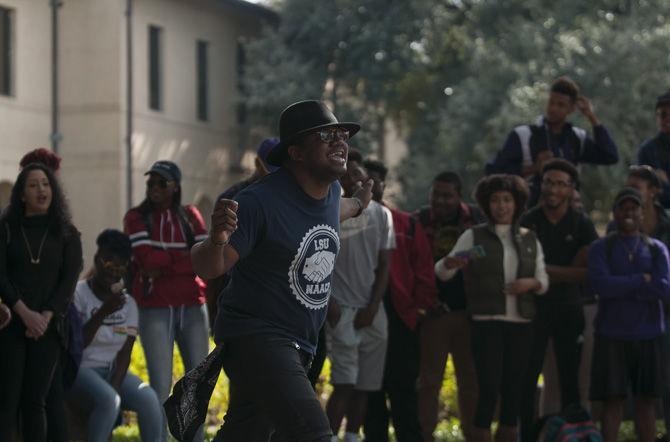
<point x="629" y="272"/>
<point x="656" y="151"/>
<point x="565" y="235"/>
<point x="528" y="146"/>
<point x="445" y="329"/>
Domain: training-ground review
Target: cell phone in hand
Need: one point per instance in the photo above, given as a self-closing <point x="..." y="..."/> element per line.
<point x="473" y="253"/>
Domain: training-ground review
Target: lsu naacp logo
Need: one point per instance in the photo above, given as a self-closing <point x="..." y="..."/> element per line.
<point x="312" y="268"/>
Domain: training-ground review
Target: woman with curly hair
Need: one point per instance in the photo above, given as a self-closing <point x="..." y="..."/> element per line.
<point x="503" y="268"/>
<point x="40" y="260"/>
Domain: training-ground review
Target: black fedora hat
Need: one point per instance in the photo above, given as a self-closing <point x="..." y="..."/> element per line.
<point x="300" y="118"/>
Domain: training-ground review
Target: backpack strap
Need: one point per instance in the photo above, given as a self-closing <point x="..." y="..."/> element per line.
<point x="411" y="228"/>
<point x="147" y="218"/>
<point x="524" y="133"/>
<point x="424" y="216"/>
<point x="581" y="136"/>
<point x="187" y="225"/>
<point x="653" y="248"/>
<point x="609" y="247"/>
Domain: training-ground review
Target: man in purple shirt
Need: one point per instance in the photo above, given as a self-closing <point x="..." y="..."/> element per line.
<point x="629" y="272"/>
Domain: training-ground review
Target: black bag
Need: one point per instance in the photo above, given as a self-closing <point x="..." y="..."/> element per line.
<point x="186" y="408"/>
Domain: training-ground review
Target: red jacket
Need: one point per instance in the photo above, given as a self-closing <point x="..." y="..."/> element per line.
<point x="412" y="275"/>
<point x="166" y="252"/>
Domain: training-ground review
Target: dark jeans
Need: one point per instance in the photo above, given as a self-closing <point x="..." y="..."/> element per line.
<point x="26" y="369"/>
<point x="564" y="324"/>
<point x="400" y="375"/>
<point x="319" y="358"/>
<point x="500" y="350"/>
<point x="270" y="395"/>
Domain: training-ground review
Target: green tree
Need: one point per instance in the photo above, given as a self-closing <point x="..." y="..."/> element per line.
<point x="498" y="59"/>
<point x="354" y="54"/>
<point x="455" y="76"/>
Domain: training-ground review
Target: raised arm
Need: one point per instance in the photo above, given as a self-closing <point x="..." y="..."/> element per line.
<point x="352" y="207"/>
<point x="213" y="257"/>
<point x="600" y="149"/>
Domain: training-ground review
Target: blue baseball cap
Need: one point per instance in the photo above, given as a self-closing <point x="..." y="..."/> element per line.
<point x="264" y="150"/>
<point x="167" y="169"/>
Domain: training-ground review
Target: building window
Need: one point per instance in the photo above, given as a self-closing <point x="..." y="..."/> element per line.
<point x="155" y="67"/>
<point x="202" y="65"/>
<point x="6" y="50"/>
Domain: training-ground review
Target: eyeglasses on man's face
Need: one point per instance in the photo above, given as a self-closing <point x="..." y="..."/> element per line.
<point x="333" y="134"/>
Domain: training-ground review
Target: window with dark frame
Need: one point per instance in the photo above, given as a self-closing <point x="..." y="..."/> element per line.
<point x="6" y="50"/>
<point x="155" y="67"/>
<point x="202" y="67"/>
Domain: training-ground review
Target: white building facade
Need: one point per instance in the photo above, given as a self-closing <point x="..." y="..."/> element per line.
<point x="183" y="68"/>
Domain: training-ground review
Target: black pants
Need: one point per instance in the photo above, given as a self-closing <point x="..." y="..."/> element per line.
<point x="57" y="429"/>
<point x="400" y="375"/>
<point x="500" y="351"/>
<point x="26" y="370"/>
<point x="319" y="358"/>
<point x="270" y="395"/>
<point x="564" y="324"/>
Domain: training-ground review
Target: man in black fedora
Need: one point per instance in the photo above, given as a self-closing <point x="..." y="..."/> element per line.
<point x="279" y="238"/>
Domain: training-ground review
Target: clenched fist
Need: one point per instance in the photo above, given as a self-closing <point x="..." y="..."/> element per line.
<point x="224" y="221"/>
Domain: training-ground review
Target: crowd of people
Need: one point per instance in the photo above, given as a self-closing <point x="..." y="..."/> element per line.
<point x="306" y="259"/>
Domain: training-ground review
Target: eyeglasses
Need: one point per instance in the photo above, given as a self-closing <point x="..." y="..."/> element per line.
<point x="663" y="114"/>
<point x="333" y="134"/>
<point x="558" y="184"/>
<point x="161" y="182"/>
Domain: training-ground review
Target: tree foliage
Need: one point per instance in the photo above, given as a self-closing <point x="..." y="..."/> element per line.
<point x="456" y="75"/>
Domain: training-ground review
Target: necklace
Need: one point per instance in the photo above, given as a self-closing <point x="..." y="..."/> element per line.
<point x="631" y="252"/>
<point x="34" y="260"/>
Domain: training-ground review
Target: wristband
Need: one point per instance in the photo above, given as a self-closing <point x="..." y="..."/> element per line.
<point x="218" y="243"/>
<point x="360" y="206"/>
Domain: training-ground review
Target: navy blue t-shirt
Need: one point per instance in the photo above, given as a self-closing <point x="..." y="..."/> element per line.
<point x="287" y="242"/>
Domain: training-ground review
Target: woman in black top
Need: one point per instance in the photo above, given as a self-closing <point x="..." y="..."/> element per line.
<point x="40" y="261"/>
